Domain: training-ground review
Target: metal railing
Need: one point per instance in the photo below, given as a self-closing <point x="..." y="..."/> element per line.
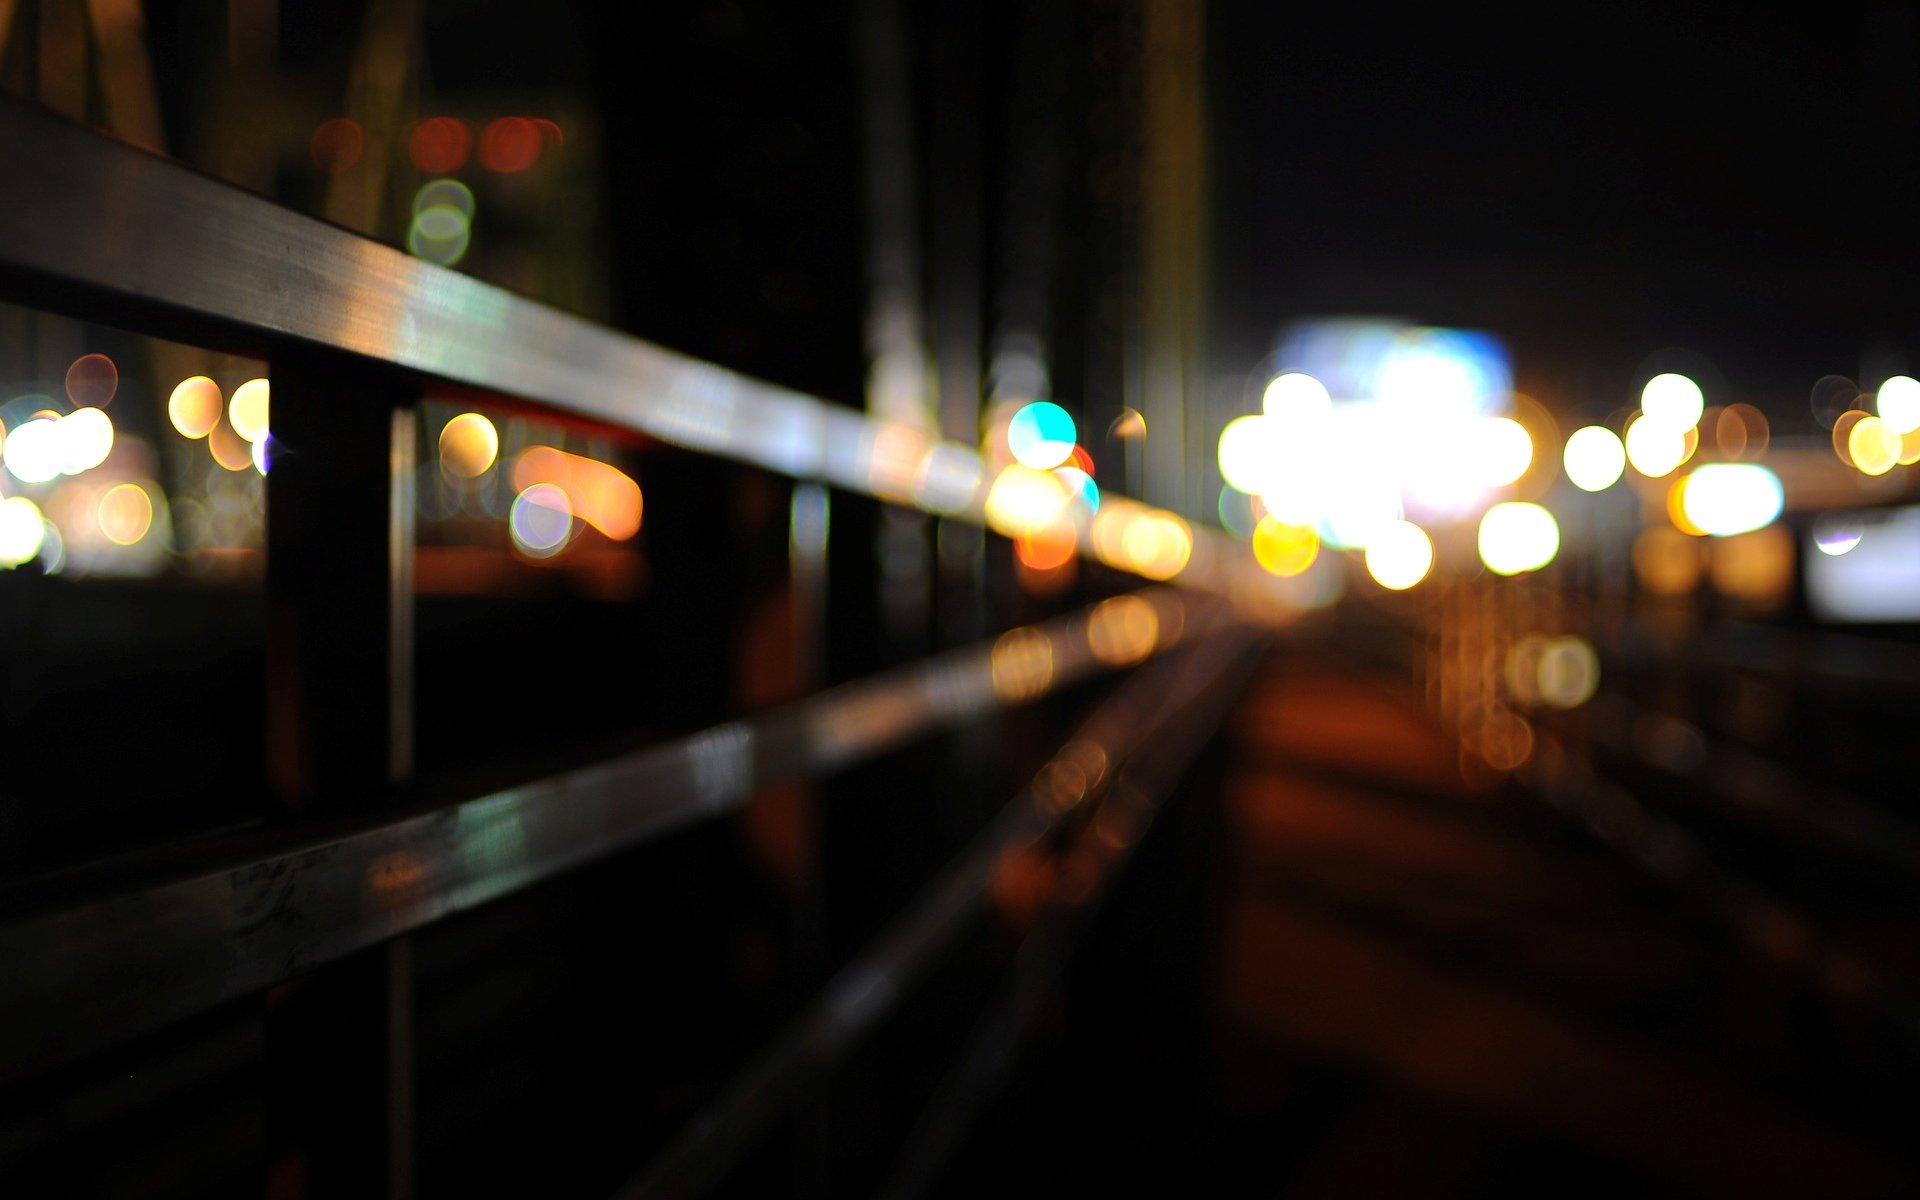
<point x="355" y="334"/>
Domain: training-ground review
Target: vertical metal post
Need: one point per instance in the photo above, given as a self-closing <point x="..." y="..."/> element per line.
<point x="340" y="539"/>
<point x="955" y="211"/>
<point x="1174" y="252"/>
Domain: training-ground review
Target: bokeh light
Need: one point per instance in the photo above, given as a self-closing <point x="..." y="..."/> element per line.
<point x="1518" y="536"/>
<point x="92" y="380"/>
<point x="1502" y="450"/>
<point x="468" y="445"/>
<point x="1843" y="434"/>
<point x="444" y="193"/>
<point x="600" y="494"/>
<point x="195" y="406"/>
<point x="1041" y="435"/>
<point x="1837" y="533"/>
<point x="441" y="234"/>
<point x="1296" y="398"/>
<point x="509" y="144"/>
<point x="1025" y="499"/>
<point x="1898" y="403"/>
<point x="1080" y="486"/>
<point x="1123" y="630"/>
<point x="247" y="411"/>
<point x="1022" y="665"/>
<point x="23" y="529"/>
<point x="1673" y="400"/>
<point x="1874" y="448"/>
<point x="1741" y="432"/>
<point x="1595" y="458"/>
<point x="440" y="145"/>
<point x="1283" y="549"/>
<point x="1248" y="453"/>
<point x="85" y="436"/>
<point x="1723" y="499"/>
<point x="228" y="448"/>
<point x="1045" y="549"/>
<point x="1356" y="508"/>
<point x="1400" y="557"/>
<point x="1157" y="545"/>
<point x="1654" y="447"/>
<point x="125" y="513"/>
<point x="541" y="521"/>
<point x="34" y="452"/>
<point x="1567" y="672"/>
<point x="337" y="144"/>
<point x="1831" y="396"/>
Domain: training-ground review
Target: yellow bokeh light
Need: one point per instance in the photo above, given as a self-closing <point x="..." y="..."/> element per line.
<point x="1677" y="508"/>
<point x="1025" y="499"/>
<point x="1157" y="545"/>
<point x="1874" y="448"/>
<point x="468" y="445"/>
<point x="1655" y="448"/>
<point x="1400" y="556"/>
<point x="1518" y="536"/>
<point x="1595" y="458"/>
<point x="600" y="494"/>
<point x="1022" y="665"/>
<point x="228" y="448"/>
<point x="194" y="408"/>
<point x="1122" y="631"/>
<point x="1283" y="549"/>
<point x="248" y="409"/>
<point x="125" y="513"/>
<point x="1910" y="448"/>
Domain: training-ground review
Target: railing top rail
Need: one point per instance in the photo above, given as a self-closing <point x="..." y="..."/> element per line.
<point x="105" y="230"/>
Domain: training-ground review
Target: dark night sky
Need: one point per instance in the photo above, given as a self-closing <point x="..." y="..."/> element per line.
<point x="1594" y="184"/>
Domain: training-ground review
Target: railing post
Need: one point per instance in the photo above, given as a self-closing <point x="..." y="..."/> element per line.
<point x="340" y="537"/>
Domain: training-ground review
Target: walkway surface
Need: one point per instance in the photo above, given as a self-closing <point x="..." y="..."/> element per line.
<point x="1343" y="970"/>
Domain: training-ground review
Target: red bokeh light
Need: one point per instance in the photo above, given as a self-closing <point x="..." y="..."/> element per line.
<point x="337" y="144"/>
<point x="92" y="381"/>
<point x="441" y="144"/>
<point x="510" y="144"/>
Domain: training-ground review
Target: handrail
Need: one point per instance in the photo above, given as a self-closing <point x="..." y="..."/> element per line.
<point x="102" y="227"/>
<point x="1104" y="754"/>
<point x="1098" y="856"/>
<point x="111" y="966"/>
